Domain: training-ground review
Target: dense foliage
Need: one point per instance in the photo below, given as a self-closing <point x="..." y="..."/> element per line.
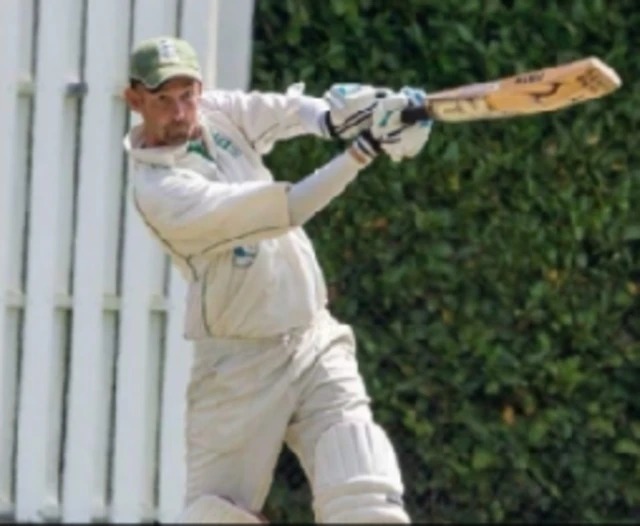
<point x="494" y="281"/>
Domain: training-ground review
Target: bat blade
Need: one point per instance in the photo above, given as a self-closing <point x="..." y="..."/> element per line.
<point x="533" y="92"/>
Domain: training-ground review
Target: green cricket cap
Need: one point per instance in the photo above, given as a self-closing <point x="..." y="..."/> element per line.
<point x="156" y="60"/>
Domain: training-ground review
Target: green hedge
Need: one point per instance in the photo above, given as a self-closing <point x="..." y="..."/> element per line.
<point x="493" y="281"/>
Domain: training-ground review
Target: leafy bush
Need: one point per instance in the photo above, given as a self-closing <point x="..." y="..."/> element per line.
<point x="493" y="281"/>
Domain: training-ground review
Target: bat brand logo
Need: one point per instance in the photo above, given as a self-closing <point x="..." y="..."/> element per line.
<point x="530" y="78"/>
<point x="550" y="91"/>
<point x="462" y="108"/>
<point x="591" y="81"/>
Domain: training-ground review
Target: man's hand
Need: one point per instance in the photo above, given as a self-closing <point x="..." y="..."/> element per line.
<point x="350" y="108"/>
<point x="387" y="132"/>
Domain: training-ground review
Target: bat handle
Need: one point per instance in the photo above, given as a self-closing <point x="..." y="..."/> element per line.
<point x="415" y="114"/>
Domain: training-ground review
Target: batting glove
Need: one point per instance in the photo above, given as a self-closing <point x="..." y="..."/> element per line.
<point x="351" y="106"/>
<point x="389" y="134"/>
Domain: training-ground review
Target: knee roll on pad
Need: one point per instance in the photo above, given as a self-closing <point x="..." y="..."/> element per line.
<point x="357" y="478"/>
<point x="211" y="509"/>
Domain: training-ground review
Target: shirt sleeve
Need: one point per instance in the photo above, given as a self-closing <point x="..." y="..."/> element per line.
<point x="266" y="118"/>
<point x="313" y="193"/>
<point x="194" y="215"/>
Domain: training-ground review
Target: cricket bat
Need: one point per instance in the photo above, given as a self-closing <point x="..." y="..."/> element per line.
<point x="527" y="93"/>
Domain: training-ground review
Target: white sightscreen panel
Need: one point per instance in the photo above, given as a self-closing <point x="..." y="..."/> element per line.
<point x="89" y="401"/>
<point x="143" y="277"/>
<point x="20" y="151"/>
<point x="151" y="421"/>
<point x="8" y="400"/>
<point x="16" y="19"/>
<point x="27" y="22"/>
<point x="68" y="153"/>
<point x="170" y="12"/>
<point x="39" y="419"/>
<point x="116" y="195"/>
<point x="50" y="508"/>
<point x="234" y="61"/>
<point x="177" y="365"/>
<point x="18" y="178"/>
<point x="199" y="26"/>
<point x="66" y="195"/>
<point x="157" y="271"/>
<point x="105" y="420"/>
<point x="114" y="184"/>
<point x="9" y="63"/>
<point x="127" y="465"/>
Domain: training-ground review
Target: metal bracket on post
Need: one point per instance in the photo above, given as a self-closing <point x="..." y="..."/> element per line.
<point x="77" y="89"/>
<point x="74" y="89"/>
<point x="26" y="86"/>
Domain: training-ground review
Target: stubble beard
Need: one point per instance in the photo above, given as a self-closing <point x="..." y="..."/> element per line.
<point x="181" y="133"/>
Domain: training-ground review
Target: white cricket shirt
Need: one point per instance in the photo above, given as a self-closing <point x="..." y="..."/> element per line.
<point x="225" y="221"/>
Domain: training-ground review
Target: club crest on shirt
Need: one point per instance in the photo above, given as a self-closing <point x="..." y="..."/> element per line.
<point x="244" y="256"/>
<point x="224" y="143"/>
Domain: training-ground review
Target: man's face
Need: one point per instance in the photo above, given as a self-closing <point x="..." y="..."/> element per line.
<point x="170" y="113"/>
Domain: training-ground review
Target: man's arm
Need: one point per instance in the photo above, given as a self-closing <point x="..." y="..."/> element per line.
<point x="197" y="215"/>
<point x="266" y="118"/>
<point x="386" y="134"/>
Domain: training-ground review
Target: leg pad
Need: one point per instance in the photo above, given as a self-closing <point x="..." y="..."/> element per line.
<point x="357" y="478"/>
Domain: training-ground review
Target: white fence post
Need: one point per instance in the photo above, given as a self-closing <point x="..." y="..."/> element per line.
<point x="40" y="414"/>
<point x="92" y="350"/>
<point x="200" y="27"/>
<point x="9" y="74"/>
<point x="234" y="44"/>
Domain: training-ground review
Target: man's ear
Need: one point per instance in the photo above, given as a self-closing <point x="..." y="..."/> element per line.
<point x="133" y="98"/>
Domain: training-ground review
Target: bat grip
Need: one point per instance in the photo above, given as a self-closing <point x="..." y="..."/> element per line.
<point x="415" y="114"/>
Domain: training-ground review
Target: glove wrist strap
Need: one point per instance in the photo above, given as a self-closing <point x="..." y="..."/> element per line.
<point x="370" y="141"/>
<point x="367" y="146"/>
<point x="328" y="125"/>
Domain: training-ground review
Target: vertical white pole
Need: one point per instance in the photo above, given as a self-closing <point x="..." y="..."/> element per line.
<point x="176" y="373"/>
<point x="135" y="440"/>
<point x="235" y="44"/>
<point x="9" y="71"/>
<point x="83" y="492"/>
<point x="200" y="28"/>
<point x="38" y="419"/>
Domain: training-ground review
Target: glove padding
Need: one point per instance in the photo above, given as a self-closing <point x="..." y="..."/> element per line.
<point x="351" y="106"/>
<point x="389" y="134"/>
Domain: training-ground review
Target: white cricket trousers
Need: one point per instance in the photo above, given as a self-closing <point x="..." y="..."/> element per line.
<point x="248" y="397"/>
